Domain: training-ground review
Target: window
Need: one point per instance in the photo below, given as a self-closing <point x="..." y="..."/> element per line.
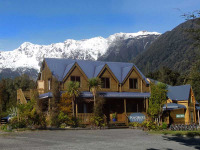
<point x="49" y="84"/>
<point x="105" y="83"/>
<point x="76" y="79"/>
<point x="133" y="83"/>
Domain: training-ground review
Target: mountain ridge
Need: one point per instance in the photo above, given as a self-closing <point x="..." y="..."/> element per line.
<point x="29" y="55"/>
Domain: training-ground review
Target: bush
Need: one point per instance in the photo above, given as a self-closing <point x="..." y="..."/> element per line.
<point x="14" y="123"/>
<point x="5" y="127"/>
<point x="164" y="125"/>
<point x="75" y="122"/>
<point x="63" y="118"/>
<point x="63" y="125"/>
<point x="150" y="125"/>
<point x="97" y="121"/>
<point x="135" y="124"/>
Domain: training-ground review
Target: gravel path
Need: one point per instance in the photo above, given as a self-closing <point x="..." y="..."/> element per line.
<point x="116" y="139"/>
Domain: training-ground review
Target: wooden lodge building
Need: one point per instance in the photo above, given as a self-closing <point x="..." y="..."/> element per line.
<point x="181" y="105"/>
<point x="124" y="87"/>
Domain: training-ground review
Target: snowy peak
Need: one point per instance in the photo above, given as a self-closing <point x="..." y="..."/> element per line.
<point x="30" y="55"/>
<point x="124" y="36"/>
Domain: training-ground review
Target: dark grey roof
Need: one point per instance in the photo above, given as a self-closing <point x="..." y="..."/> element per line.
<point x="172" y="106"/>
<point x="178" y="93"/>
<point x="116" y="95"/>
<point x="46" y="95"/>
<point x="197" y="108"/>
<point x="60" y="67"/>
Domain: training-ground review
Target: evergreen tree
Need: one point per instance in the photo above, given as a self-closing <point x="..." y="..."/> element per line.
<point x="157" y="99"/>
<point x="194" y="79"/>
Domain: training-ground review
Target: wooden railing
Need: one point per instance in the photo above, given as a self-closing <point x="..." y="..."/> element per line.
<point x="121" y="117"/>
<point x="85" y="118"/>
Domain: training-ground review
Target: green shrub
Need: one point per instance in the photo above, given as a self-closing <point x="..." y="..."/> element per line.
<point x="14" y="123"/>
<point x="164" y="125"/>
<point x="135" y="124"/>
<point x="4" y="127"/>
<point x="97" y="121"/>
<point x="150" y="125"/>
<point x="63" y="125"/>
<point x="74" y="122"/>
<point x="63" y="118"/>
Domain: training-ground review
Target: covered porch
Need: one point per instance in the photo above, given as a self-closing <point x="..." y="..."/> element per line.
<point x="120" y="103"/>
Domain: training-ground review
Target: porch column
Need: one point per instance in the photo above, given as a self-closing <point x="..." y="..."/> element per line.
<point x="126" y="119"/>
<point x="125" y="106"/>
<point x="49" y="107"/>
<point x="147" y="104"/>
<point x="198" y="117"/>
<point x="76" y="109"/>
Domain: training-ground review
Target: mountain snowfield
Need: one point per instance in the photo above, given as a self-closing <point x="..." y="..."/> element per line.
<point x="30" y="55"/>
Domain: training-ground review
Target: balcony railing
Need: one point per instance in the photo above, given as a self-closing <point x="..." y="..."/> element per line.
<point x="85" y="118"/>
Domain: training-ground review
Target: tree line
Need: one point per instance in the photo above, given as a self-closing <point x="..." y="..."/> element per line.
<point x="8" y="91"/>
<point x="174" y="78"/>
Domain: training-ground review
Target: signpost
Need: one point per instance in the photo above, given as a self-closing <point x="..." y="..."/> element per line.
<point x="180" y="116"/>
<point x="137" y="117"/>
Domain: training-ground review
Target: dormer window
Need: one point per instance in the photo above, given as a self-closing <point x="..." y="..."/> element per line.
<point x="133" y="83"/>
<point x="105" y="83"/>
<point x="76" y="79"/>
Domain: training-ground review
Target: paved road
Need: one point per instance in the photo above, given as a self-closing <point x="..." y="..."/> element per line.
<point x="114" y="139"/>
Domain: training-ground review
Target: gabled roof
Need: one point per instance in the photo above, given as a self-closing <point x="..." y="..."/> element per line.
<point x="178" y="93"/>
<point x="60" y="68"/>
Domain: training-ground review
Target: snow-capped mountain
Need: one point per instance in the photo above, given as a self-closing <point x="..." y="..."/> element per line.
<point x="30" y="55"/>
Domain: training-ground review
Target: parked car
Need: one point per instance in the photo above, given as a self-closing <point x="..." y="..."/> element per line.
<point x="6" y="119"/>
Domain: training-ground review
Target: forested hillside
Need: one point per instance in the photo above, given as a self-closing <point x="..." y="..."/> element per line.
<point x="176" y="49"/>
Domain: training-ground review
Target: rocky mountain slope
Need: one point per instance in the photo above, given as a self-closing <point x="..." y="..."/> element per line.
<point x="176" y="49"/>
<point x="126" y="50"/>
<point x="29" y="56"/>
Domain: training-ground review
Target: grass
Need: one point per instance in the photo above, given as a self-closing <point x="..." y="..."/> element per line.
<point x="177" y="133"/>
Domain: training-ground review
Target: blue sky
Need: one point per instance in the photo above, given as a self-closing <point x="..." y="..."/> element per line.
<point x="52" y="21"/>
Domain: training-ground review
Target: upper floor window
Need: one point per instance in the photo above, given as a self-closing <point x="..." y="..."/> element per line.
<point x="133" y="83"/>
<point x="76" y="79"/>
<point x="49" y="84"/>
<point x="105" y="83"/>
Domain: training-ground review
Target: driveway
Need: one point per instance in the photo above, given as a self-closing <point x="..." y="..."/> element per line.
<point x="113" y="139"/>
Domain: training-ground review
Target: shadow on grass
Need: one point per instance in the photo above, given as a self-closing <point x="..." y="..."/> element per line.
<point x="187" y="141"/>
